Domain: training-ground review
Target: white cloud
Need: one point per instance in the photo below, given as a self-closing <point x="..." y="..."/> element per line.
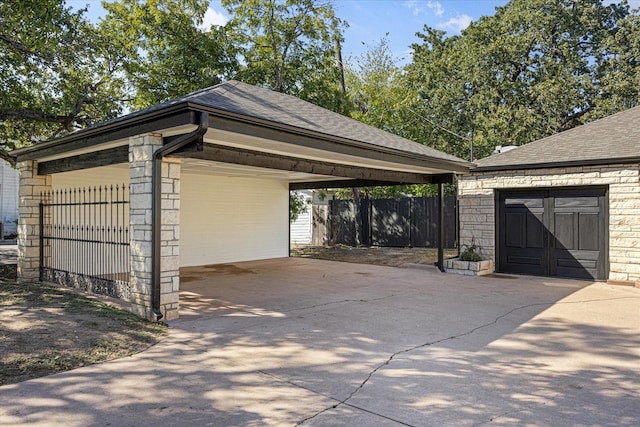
<point x="436" y="7"/>
<point x="458" y="23"/>
<point x="417" y="8"/>
<point x="213" y="17"/>
<point x="413" y="4"/>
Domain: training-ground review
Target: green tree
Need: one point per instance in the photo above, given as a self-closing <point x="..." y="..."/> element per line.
<point x="289" y="46"/>
<point x="57" y="74"/>
<point x="535" y="68"/>
<point x="167" y="52"/>
<point x="620" y="80"/>
<point x="298" y="205"/>
<point x="375" y="87"/>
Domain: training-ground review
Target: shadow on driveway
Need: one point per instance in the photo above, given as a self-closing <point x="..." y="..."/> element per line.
<point x="309" y="342"/>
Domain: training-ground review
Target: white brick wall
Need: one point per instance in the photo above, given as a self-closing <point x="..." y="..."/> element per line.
<point x="477" y="207"/>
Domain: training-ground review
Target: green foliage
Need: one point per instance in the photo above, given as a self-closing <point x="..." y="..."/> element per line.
<point x="397" y="191"/>
<point x="57" y="73"/>
<point x="535" y="68"/>
<point x="166" y="52"/>
<point x="289" y="46"/>
<point x="470" y="253"/>
<point x="374" y="87"/>
<point x="298" y="204"/>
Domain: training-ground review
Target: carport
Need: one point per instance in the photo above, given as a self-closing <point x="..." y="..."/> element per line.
<point x="200" y="180"/>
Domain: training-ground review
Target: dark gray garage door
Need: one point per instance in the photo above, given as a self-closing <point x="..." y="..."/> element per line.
<point x="553" y="232"/>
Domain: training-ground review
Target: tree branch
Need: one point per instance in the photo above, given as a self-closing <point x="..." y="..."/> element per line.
<point x="37" y="116"/>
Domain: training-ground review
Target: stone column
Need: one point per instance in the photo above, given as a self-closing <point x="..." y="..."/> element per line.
<point x="141" y="149"/>
<point x="31" y="186"/>
<point x="170" y="238"/>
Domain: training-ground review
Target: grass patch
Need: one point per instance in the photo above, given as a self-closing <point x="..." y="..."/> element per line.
<point x="45" y="329"/>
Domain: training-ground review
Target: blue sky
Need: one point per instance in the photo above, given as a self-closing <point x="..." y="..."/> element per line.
<point x="371" y="20"/>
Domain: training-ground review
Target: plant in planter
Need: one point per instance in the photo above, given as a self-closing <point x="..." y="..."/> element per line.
<point x="469" y="262"/>
<point x="471" y="253"/>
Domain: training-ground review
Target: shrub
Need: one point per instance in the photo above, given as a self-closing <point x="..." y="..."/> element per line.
<point x="469" y="253"/>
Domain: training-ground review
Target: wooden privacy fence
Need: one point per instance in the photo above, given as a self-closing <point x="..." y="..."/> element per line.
<point x="392" y="222"/>
<point x="84" y="239"/>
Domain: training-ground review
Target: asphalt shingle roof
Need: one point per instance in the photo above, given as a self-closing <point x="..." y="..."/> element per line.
<point x="267" y="105"/>
<point x="609" y="140"/>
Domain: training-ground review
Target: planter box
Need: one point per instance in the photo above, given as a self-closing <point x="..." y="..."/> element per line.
<point x="468" y="268"/>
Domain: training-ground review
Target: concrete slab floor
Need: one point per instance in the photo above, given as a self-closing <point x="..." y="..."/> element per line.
<point x="319" y="343"/>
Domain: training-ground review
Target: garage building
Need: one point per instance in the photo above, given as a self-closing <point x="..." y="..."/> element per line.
<point x="567" y="205"/>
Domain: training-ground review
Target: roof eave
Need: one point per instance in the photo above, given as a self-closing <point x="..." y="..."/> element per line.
<point x="460" y="166"/>
<point x="155" y="120"/>
<point x="127" y="126"/>
<point x="562" y="164"/>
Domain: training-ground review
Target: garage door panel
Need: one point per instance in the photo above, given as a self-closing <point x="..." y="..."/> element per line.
<point x="574" y="263"/>
<point x="524" y="260"/>
<point x="588" y="224"/>
<point x="553" y="232"/>
<point x="527" y="203"/>
<point x="564" y="231"/>
<point x="573" y="204"/>
<point x="514" y="224"/>
<point x="586" y="259"/>
<point x="523" y="235"/>
<point x="535" y="231"/>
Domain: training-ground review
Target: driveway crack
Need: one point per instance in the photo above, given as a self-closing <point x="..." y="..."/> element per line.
<point x="324" y="304"/>
<point x="430" y="343"/>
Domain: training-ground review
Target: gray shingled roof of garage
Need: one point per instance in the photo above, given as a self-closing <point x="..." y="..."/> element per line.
<point x="269" y="108"/>
<point x="610" y="140"/>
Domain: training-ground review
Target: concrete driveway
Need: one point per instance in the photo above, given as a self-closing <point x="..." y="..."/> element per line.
<point x="318" y="343"/>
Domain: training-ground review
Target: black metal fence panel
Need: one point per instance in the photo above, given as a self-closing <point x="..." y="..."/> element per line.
<point x="424" y="226"/>
<point x="342" y="222"/>
<point x="392" y="222"/>
<point x="84" y="239"/>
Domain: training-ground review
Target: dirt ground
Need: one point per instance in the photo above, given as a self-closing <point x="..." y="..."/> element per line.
<point x="45" y="329"/>
<point x="392" y="257"/>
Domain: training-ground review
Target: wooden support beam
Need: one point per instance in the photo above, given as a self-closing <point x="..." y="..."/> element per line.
<point x="339" y="183"/>
<point x="111" y="156"/>
<point x="333" y="144"/>
<point x="220" y="153"/>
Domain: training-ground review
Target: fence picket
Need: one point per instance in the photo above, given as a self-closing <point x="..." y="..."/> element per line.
<point x="393" y="222"/>
<point x="81" y="246"/>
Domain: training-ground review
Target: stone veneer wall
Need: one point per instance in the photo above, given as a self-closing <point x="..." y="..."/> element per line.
<point x="476" y="194"/>
<point x="141" y="149"/>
